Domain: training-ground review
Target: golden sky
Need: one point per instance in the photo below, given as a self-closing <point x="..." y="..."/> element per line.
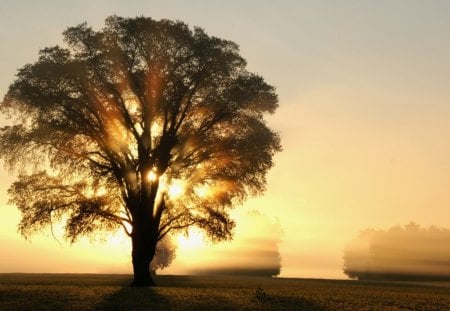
<point x="364" y="117"/>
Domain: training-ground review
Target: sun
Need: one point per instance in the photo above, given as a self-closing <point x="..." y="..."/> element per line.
<point x="152" y="176"/>
<point x="176" y="189"/>
<point x="195" y="239"/>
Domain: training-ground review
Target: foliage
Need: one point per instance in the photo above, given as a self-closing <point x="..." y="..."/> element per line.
<point x="400" y="253"/>
<point x="105" y="126"/>
<point x="164" y="255"/>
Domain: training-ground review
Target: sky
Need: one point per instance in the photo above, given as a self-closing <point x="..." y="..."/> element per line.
<point x="364" y="119"/>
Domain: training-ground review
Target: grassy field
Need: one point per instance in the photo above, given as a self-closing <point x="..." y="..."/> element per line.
<point x="111" y="292"/>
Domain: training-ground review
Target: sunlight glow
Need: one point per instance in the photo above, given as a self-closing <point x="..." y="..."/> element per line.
<point x="176" y="189"/>
<point x="193" y="240"/>
<point x="119" y="240"/>
<point x="202" y="191"/>
<point x="156" y="129"/>
<point x="128" y="227"/>
<point x="100" y="192"/>
<point x="132" y="106"/>
<point x="152" y="176"/>
<point x="92" y="192"/>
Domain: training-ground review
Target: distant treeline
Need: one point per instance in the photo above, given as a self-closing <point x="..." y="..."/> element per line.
<point x="398" y="277"/>
<point x="250" y="262"/>
<point x="269" y="272"/>
<point x="400" y="253"/>
<point x="255" y="253"/>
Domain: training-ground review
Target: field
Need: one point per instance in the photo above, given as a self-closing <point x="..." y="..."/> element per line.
<point x="111" y="292"/>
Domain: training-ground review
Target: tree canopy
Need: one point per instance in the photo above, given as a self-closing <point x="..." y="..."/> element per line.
<point x="143" y="121"/>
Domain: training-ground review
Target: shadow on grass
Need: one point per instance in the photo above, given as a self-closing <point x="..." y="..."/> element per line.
<point x="134" y="298"/>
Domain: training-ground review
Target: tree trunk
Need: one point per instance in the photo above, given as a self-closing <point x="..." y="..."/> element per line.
<point x="143" y="250"/>
<point x="141" y="270"/>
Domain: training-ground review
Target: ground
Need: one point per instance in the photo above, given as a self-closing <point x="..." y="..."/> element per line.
<point x="111" y="292"/>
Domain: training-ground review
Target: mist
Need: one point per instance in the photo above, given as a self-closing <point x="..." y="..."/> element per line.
<point x="253" y="251"/>
<point x="400" y="253"/>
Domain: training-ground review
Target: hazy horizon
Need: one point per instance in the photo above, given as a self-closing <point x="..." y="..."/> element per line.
<point x="364" y="120"/>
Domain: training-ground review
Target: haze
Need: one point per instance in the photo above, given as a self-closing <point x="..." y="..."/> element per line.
<point x="364" y="119"/>
<point x="401" y="252"/>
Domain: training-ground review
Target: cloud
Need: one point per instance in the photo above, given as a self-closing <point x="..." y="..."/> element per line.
<point x="408" y="253"/>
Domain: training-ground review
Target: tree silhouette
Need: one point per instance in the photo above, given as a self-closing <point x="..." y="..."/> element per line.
<point x="164" y="255"/>
<point x="408" y="252"/>
<point x="144" y="124"/>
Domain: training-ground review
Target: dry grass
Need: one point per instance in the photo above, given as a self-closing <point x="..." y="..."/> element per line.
<point x="111" y="292"/>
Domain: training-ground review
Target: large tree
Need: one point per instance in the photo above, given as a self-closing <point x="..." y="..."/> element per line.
<point x="149" y="125"/>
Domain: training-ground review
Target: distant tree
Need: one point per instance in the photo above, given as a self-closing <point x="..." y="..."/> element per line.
<point x="400" y="253"/>
<point x="144" y="124"/>
<point x="164" y="255"/>
<point x="255" y="252"/>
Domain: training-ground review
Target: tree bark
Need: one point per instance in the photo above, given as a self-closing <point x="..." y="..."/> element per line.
<point x="143" y="250"/>
<point x="142" y="275"/>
